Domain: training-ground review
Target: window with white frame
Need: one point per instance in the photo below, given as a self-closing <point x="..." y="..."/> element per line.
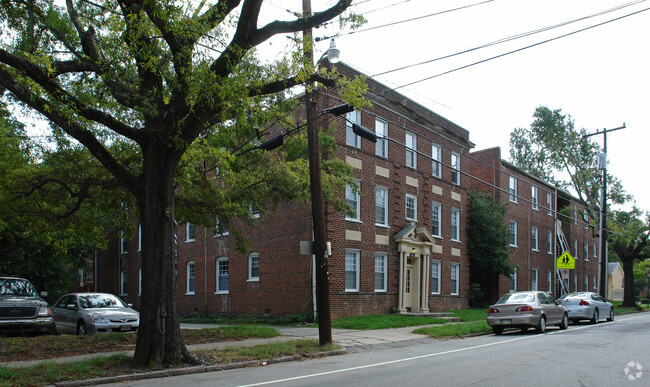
<point x="223" y="271"/>
<point x="575" y="215"/>
<point x="513" y="189"/>
<point x="381" y="272"/>
<point x="455" y="168"/>
<point x="549" y="280"/>
<point x="534" y="238"/>
<point x="124" y="243"/>
<point x="190" y="278"/>
<point x="586" y="216"/>
<point x="381" y="130"/>
<point x="534" y="277"/>
<point x="586" y="283"/>
<point x="139" y="237"/>
<point x="435" y="277"/>
<point x="254" y="211"/>
<point x="139" y="281"/>
<point x="454" y="278"/>
<point x="575" y="282"/>
<point x="352" y="270"/>
<point x="353" y="202"/>
<point x="350" y="137"/>
<point x="189" y="232"/>
<point x="221" y="229"/>
<point x="436" y="226"/>
<point x="549" y="203"/>
<point x="595" y="251"/>
<point x="411" y="207"/>
<point x="254" y="267"/>
<point x="513" y="233"/>
<point x="535" y="197"/>
<point x="455" y="224"/>
<point x="123" y="282"/>
<point x="411" y="148"/>
<point x="513" y="281"/>
<point x="381" y="206"/>
<point x="575" y="248"/>
<point x="549" y="236"/>
<point x="586" y="251"/>
<point x="436" y="155"/>
<point x="595" y="283"/>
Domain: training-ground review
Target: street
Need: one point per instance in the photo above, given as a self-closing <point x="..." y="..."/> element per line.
<point x="607" y="354"/>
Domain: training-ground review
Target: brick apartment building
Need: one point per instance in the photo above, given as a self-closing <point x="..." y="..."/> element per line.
<point x="403" y="250"/>
<point x="534" y="210"/>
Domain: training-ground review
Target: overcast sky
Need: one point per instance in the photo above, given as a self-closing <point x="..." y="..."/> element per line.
<point x="598" y="76"/>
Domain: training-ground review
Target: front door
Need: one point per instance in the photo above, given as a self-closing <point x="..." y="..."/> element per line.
<point x="407" y="286"/>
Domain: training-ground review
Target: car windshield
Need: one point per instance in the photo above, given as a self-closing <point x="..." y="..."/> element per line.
<point x="574" y="295"/>
<point x="93" y="301"/>
<point x="516" y="298"/>
<point x="16" y="287"/>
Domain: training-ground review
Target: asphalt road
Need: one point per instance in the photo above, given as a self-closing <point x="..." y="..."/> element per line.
<point x="607" y="354"/>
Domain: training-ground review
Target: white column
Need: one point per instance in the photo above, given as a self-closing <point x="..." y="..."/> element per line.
<point x="402" y="270"/>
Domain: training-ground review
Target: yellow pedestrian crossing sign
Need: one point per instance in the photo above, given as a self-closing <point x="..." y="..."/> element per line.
<point x="566" y="261"/>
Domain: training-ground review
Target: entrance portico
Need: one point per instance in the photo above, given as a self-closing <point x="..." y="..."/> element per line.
<point x="414" y="245"/>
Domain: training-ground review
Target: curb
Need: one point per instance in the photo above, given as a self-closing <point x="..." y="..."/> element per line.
<point x="196" y="369"/>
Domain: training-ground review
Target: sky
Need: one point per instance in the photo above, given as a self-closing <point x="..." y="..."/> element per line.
<point x="600" y="76"/>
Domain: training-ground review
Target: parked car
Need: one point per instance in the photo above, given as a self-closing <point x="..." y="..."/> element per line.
<point x="90" y="313"/>
<point x="22" y="309"/>
<point x="523" y="310"/>
<point x="587" y="306"/>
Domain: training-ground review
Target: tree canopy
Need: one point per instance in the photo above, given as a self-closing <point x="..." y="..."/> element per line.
<point x="159" y="103"/>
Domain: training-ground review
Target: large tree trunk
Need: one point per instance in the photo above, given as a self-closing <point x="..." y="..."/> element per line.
<point x="629" y="298"/>
<point x="159" y="341"/>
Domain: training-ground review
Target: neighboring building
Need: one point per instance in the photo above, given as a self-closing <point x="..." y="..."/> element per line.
<point x="534" y="211"/>
<point x="615" y="281"/>
<point x="404" y="249"/>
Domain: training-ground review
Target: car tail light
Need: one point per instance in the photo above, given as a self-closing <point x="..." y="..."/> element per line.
<point x="524" y="309"/>
<point x="583" y="303"/>
<point x="493" y="310"/>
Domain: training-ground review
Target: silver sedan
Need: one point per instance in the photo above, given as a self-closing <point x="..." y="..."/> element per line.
<point x="90" y="313"/>
<point x="523" y="310"/>
<point x="587" y="306"/>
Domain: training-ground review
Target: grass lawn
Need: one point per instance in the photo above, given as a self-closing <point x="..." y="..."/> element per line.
<point x="384" y="321"/>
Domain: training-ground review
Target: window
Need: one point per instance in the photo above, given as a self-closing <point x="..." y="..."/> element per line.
<point x="596" y="283"/>
<point x="535" y="198"/>
<point x="139" y="237"/>
<point x="189" y="232"/>
<point x="352" y="270"/>
<point x="436" y="153"/>
<point x="513" y="233"/>
<point x="381" y="206"/>
<point x="436" y="208"/>
<point x="575" y="215"/>
<point x="221" y="229"/>
<point x="575" y="282"/>
<point x="575" y="248"/>
<point x="411" y="147"/>
<point x="411" y="207"/>
<point x="595" y="252"/>
<point x="586" y="216"/>
<point x="534" y="233"/>
<point x="190" y="278"/>
<point x="352" y="200"/>
<point x="534" y="276"/>
<point x="549" y="280"/>
<point x="381" y="274"/>
<point x="254" y="267"/>
<point x="549" y="236"/>
<point x="586" y="251"/>
<point x="455" y="224"/>
<point x="139" y="281"/>
<point x="435" y="277"/>
<point x="123" y="282"/>
<point x="351" y="138"/>
<point x="549" y="203"/>
<point x="454" y="278"/>
<point x="124" y="243"/>
<point x="513" y="189"/>
<point x="455" y="168"/>
<point x="223" y="270"/>
<point x="254" y="211"/>
<point x="381" y="130"/>
<point x="586" y="283"/>
<point x="513" y="281"/>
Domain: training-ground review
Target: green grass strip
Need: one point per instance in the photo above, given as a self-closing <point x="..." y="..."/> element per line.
<point x="455" y="330"/>
<point x="384" y="321"/>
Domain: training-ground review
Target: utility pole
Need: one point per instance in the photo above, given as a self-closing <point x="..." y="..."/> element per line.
<point x="602" y="164"/>
<point x="317" y="205"/>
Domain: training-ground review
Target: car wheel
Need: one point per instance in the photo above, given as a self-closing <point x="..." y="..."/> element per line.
<point x="497" y="330"/>
<point x="596" y="317"/>
<point x="81" y="328"/>
<point x="565" y="322"/>
<point x="611" y="314"/>
<point x="541" y="326"/>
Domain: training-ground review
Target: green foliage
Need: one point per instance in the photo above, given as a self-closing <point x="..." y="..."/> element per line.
<point x="488" y="238"/>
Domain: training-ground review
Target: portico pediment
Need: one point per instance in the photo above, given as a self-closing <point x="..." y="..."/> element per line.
<point x="412" y="237"/>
